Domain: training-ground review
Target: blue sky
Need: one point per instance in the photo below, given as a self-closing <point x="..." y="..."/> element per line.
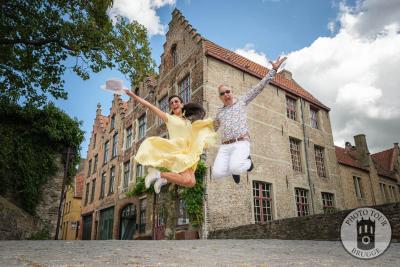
<point x="305" y="30"/>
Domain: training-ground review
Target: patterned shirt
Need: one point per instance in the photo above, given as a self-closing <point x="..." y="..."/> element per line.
<point x="232" y="119"/>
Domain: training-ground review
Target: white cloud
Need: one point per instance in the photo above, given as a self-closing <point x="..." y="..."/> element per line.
<point x="331" y="27"/>
<point x="249" y="52"/>
<point x="371" y="18"/>
<point x="143" y="11"/>
<point x="355" y="72"/>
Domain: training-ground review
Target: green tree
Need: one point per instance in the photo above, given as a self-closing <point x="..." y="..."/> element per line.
<point x="37" y="36"/>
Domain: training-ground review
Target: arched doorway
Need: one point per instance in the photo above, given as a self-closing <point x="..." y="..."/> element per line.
<point x="128" y="222"/>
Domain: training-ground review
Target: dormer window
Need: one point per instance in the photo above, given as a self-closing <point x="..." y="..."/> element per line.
<point x="174" y="55"/>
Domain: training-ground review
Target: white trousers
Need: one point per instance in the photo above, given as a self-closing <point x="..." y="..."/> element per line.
<point x="232" y="159"/>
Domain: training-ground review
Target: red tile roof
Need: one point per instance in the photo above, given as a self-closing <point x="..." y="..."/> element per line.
<point x="346" y="158"/>
<point x="384" y="162"/>
<point x="258" y="71"/>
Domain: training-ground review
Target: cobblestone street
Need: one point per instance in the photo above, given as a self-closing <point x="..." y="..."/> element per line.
<point x="186" y="253"/>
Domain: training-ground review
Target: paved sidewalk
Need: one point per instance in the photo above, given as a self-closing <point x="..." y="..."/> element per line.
<point x="186" y="253"/>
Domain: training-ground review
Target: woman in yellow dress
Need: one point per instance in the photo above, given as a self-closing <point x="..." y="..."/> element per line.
<point x="189" y="134"/>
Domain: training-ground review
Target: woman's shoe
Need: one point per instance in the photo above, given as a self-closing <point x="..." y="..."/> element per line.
<point x="152" y="175"/>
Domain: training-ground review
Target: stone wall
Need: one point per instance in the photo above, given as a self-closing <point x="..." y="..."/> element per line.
<point x="315" y="227"/>
<point x="16" y="224"/>
<point x="47" y="208"/>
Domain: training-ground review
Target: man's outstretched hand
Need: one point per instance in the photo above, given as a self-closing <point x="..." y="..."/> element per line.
<point x="276" y="64"/>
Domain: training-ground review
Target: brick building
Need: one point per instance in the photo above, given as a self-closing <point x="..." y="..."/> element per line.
<point x="70" y="222"/>
<point x="296" y="171"/>
<point x="368" y="179"/>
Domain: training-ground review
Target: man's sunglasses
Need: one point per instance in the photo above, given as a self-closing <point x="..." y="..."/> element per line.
<point x="225" y="92"/>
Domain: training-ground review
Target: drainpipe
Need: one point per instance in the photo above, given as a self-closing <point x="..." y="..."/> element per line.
<point x="312" y="190"/>
<point x="370" y="179"/>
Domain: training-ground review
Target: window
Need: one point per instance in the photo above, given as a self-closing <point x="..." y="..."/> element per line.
<point x="163" y="104"/>
<point x="328" y="203"/>
<point x="143" y="204"/>
<point x="161" y="217"/>
<point x="94" y="140"/>
<point x="174" y="55"/>
<point x="393" y="193"/>
<point x="127" y="173"/>
<point x="103" y="185"/>
<point x="87" y="193"/>
<point x="302" y="202"/>
<point x="262" y="202"/>
<point x="384" y="192"/>
<point x="184" y="89"/>
<point x="115" y="146"/>
<point x="90" y="168"/>
<point x="183" y="217"/>
<point x="112" y="124"/>
<point x="105" y="152"/>
<point x="96" y="159"/>
<point x="139" y="170"/>
<point x="112" y="179"/>
<point x="314" y="118"/>
<point x="291" y="108"/>
<point x="357" y="186"/>
<point x="295" y="154"/>
<point x="319" y="160"/>
<point x="128" y="141"/>
<point x="93" y="190"/>
<point x="142" y="126"/>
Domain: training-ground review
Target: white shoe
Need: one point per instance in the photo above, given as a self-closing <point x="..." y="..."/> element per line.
<point x="152" y="175"/>
<point x="158" y="184"/>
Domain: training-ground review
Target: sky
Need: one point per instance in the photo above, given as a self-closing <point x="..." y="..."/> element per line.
<point x="345" y="53"/>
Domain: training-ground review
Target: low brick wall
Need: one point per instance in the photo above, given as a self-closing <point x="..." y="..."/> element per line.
<point x="314" y="227"/>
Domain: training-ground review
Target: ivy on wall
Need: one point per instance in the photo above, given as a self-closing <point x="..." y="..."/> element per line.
<point x="31" y="138"/>
<point x="194" y="196"/>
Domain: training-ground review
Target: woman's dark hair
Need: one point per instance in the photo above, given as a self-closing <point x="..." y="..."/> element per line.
<point x="194" y="112"/>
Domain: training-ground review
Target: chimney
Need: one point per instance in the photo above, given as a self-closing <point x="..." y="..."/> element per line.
<point x="395" y="164"/>
<point x="287" y="74"/>
<point x="362" y="149"/>
<point x="347" y="146"/>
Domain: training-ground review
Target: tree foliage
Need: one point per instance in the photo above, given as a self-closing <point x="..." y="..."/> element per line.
<point x="31" y="139"/>
<point x="37" y="37"/>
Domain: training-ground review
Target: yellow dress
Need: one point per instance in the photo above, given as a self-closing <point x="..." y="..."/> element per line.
<point x="182" y="151"/>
